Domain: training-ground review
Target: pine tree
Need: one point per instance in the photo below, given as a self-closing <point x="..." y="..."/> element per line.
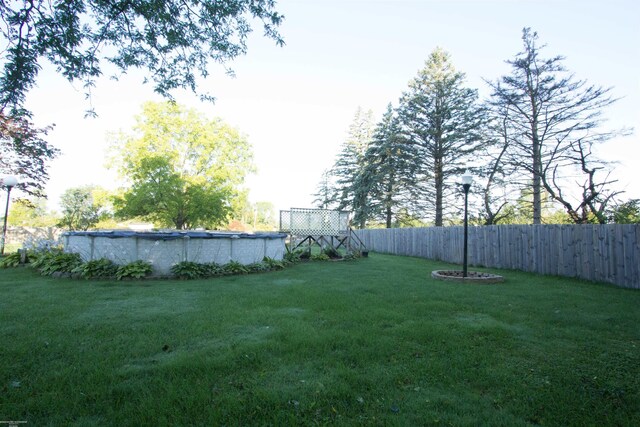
<point x="350" y="165"/>
<point x="324" y="197"/>
<point x="389" y="177"/>
<point x="444" y="121"/>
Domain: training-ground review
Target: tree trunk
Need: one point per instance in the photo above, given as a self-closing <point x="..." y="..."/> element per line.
<point x="537" y="166"/>
<point x="363" y="213"/>
<point x="180" y="221"/>
<point x="537" y="153"/>
<point x="439" y="184"/>
<point x="389" y="200"/>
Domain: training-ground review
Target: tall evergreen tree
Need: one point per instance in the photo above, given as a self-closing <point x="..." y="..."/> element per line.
<point x="350" y="164"/>
<point x="389" y="176"/>
<point x="555" y="121"/>
<point x="324" y="197"/>
<point x="443" y="120"/>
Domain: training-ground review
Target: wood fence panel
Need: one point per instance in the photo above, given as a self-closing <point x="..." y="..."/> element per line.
<point x="627" y="254"/>
<point x="584" y="253"/>
<point x="566" y="252"/>
<point x="604" y="245"/>
<point x="532" y="239"/>
<point x="604" y="253"/>
<point x="554" y="238"/>
<point x="619" y="245"/>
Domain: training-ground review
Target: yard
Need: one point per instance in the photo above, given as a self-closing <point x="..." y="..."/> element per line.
<point x="369" y="342"/>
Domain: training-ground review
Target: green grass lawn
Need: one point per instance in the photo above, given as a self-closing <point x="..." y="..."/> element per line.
<point x="370" y="342"/>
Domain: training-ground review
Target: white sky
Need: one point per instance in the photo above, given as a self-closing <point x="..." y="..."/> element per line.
<point x="295" y="103"/>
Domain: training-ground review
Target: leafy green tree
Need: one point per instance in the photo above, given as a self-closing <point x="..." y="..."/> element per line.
<point x="258" y="216"/>
<point x="262" y="216"/>
<point x="520" y="210"/>
<point x="184" y="170"/>
<point x="240" y="206"/>
<point x="79" y="211"/>
<point x="175" y="40"/>
<point x="626" y="212"/>
<point x="24" y="152"/>
<point x="165" y="197"/>
<point x="389" y="177"/>
<point x="443" y="119"/>
<point x="555" y="121"/>
<point x="31" y="213"/>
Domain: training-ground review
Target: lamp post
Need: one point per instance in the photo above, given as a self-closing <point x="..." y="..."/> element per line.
<point x="467" y="180"/>
<point x="9" y="182"/>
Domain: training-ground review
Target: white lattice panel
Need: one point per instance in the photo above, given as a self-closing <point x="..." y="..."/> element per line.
<point x="314" y="222"/>
<point x="285" y="221"/>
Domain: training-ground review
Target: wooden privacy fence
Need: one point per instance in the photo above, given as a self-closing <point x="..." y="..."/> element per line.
<point x="602" y="253"/>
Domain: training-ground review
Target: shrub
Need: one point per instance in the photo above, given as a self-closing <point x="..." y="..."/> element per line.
<point x="40" y="257"/>
<point x="190" y="270"/>
<point x="320" y="257"/>
<point x="214" y="269"/>
<point x="10" y="260"/>
<point x="96" y="268"/>
<point x="258" y="267"/>
<point x="235" y="267"/>
<point x="56" y="261"/>
<point x="273" y="264"/>
<point x="352" y="255"/>
<point x="194" y="270"/>
<point x="292" y="257"/>
<point x="134" y="270"/>
<point x="331" y="252"/>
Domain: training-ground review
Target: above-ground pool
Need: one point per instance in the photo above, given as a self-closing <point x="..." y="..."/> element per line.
<point x="164" y="249"/>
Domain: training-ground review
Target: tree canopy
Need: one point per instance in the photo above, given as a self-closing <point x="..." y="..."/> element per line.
<point x="31" y="213"/>
<point x="530" y="145"/>
<point x="79" y="209"/>
<point x="627" y="212"/>
<point x="183" y="169"/>
<point x="389" y="178"/>
<point x="24" y="152"/>
<point x="443" y="120"/>
<point x="340" y="187"/>
<point x="175" y="40"/>
<point x="552" y="122"/>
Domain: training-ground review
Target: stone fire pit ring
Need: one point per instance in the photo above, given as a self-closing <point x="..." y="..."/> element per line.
<point x="472" y="276"/>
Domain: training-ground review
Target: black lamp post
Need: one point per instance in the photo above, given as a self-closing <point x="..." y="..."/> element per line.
<point x="8" y="182"/>
<point x="467" y="180"/>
